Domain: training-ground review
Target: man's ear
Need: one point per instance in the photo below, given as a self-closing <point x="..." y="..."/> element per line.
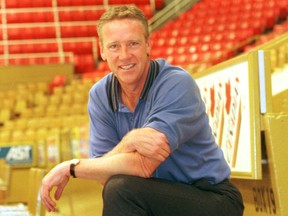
<point x="102" y="52"/>
<point x="148" y="50"/>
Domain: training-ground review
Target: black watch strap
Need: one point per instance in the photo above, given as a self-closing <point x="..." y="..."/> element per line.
<point x="72" y="170"/>
<point x="73" y="164"/>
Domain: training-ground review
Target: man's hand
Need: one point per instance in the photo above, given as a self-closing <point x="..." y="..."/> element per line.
<point x="58" y="177"/>
<point x="147" y="142"/>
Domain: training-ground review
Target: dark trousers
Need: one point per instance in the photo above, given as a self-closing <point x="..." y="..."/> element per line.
<point x="125" y="195"/>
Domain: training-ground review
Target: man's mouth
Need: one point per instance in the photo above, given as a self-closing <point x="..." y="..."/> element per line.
<point x="127" y="67"/>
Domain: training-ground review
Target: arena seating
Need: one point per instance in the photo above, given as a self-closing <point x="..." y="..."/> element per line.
<point x="33" y="205"/>
<point x="277" y="30"/>
<point x="208" y="33"/>
<point x="4" y="181"/>
<point x="38" y="32"/>
<point x="198" y="36"/>
<point x="49" y="30"/>
<point x="214" y="31"/>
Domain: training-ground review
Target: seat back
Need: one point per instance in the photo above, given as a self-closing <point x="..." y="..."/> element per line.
<point x="35" y="206"/>
<point x="5" y="171"/>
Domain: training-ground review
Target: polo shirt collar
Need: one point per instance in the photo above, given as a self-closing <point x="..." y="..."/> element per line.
<point x="114" y="87"/>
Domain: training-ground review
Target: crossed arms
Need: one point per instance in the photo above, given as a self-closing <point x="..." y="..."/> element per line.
<point x="139" y="153"/>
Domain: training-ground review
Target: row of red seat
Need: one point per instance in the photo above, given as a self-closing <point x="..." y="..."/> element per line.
<point x="77" y="47"/>
<point x="215" y="30"/>
<point x="82" y="51"/>
<point x="43" y="16"/>
<point x="277" y="30"/>
<point x="63" y="3"/>
<point x="46" y="32"/>
<point x="47" y="15"/>
<point x="167" y="38"/>
<point x="49" y="26"/>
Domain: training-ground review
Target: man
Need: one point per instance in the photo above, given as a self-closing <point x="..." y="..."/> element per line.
<point x="150" y="142"/>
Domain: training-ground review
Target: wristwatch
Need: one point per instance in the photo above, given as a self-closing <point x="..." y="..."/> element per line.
<point x="73" y="163"/>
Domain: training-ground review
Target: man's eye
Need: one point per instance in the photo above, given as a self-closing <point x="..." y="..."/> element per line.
<point x="134" y="44"/>
<point x="113" y="46"/>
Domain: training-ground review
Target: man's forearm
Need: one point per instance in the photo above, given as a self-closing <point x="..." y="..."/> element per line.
<point x="122" y="147"/>
<point x="101" y="169"/>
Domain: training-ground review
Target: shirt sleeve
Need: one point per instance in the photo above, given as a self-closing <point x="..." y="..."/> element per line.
<point x="177" y="109"/>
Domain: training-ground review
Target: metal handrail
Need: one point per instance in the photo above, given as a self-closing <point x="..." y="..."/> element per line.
<point x="171" y="11"/>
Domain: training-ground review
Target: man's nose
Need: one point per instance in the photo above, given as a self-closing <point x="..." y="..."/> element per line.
<point x="124" y="52"/>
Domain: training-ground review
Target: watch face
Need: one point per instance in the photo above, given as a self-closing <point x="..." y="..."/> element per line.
<point x="75" y="161"/>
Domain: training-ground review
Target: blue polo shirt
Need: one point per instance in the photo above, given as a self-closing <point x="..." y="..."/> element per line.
<point x="171" y="103"/>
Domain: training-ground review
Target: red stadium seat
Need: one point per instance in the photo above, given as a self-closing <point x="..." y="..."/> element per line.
<point x="67" y="31"/>
<point x="62" y="3"/>
<point x="78" y="47"/>
<point x="28" y="3"/>
<point x="94" y="14"/>
<point x="44" y="16"/>
<point x="33" y="48"/>
<point x="18" y="61"/>
<point x="19" y="33"/>
<point x="22" y="3"/>
<point x="65" y="16"/>
<point x="84" y="63"/>
<point x="42" y="3"/>
<point x="43" y="32"/>
<point x="12" y="17"/>
<point x="78" y="31"/>
<point x="147" y="10"/>
<point x="283" y="8"/>
<point x="76" y="2"/>
<point x="31" y="33"/>
<point x="103" y="66"/>
<point x="14" y="49"/>
<point x="159" y="4"/>
<point x="80" y="15"/>
<point x="29" y="17"/>
<point x="93" y="2"/>
<point x="12" y="3"/>
<point x="1" y="49"/>
<point x="86" y="31"/>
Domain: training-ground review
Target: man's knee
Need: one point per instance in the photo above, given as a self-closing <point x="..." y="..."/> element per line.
<point x="122" y="196"/>
<point x="116" y="186"/>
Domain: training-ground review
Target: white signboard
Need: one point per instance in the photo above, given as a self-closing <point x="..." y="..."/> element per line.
<point x="227" y="96"/>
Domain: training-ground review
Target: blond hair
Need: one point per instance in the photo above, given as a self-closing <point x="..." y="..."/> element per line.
<point x="122" y="12"/>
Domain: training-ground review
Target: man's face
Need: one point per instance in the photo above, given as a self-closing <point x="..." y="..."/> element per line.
<point x="125" y="48"/>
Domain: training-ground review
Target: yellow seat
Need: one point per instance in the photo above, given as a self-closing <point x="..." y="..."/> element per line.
<point x="27" y="113"/>
<point x="67" y="99"/>
<point x="42" y="87"/>
<point x="4" y="181"/>
<point x="54" y="99"/>
<point x="39" y="111"/>
<point x="5" y="115"/>
<point x="20" y="106"/>
<point x="5" y="135"/>
<point x="51" y="110"/>
<point x="34" y="206"/>
<point x="65" y="110"/>
<point x="18" y="135"/>
<point x="21" y="124"/>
